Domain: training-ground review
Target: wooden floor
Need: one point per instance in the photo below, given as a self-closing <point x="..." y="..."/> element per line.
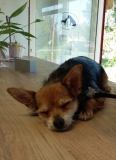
<point x="23" y="137"/>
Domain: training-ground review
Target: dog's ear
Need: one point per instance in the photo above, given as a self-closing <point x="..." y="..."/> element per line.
<point x="73" y="80"/>
<point x="23" y="96"/>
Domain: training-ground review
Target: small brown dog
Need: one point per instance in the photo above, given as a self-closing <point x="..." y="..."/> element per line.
<point x="64" y="94"/>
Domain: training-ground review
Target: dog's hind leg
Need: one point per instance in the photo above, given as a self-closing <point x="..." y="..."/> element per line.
<point x="104" y="82"/>
<point x="90" y="106"/>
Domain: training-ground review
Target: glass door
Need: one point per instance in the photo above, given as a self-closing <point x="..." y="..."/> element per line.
<point x="68" y="29"/>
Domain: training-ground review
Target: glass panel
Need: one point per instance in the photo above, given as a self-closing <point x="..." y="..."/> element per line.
<point x="109" y="43"/>
<point x="68" y="29"/>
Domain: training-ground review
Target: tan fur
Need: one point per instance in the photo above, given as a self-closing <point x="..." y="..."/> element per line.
<point x="51" y="100"/>
<point x="104" y="81"/>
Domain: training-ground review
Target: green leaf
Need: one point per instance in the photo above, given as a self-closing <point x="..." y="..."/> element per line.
<point x="13" y="23"/>
<point x="28" y="39"/>
<point x="2" y="43"/>
<point x="15" y="27"/>
<point x="26" y="34"/>
<point x="7" y="31"/>
<point x="18" y="11"/>
<point x="3" y="27"/>
<point x="38" y="20"/>
<point x="10" y="26"/>
<point x="15" y="42"/>
<point x="2" y="47"/>
<point x="2" y="12"/>
<point x="111" y="29"/>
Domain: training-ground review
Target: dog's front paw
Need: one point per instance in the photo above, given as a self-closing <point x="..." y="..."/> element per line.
<point x="85" y="116"/>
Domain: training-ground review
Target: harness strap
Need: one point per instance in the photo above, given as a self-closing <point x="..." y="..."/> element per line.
<point x="105" y="95"/>
<point x="93" y="93"/>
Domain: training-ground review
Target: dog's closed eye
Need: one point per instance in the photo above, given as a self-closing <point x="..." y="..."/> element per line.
<point x="45" y="112"/>
<point x="64" y="105"/>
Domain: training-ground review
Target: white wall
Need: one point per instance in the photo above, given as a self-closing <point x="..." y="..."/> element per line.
<point x="8" y="8"/>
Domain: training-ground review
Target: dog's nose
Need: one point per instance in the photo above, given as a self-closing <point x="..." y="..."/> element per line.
<point x="59" y="123"/>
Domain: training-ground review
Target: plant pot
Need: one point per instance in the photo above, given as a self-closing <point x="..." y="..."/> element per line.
<point x="16" y="50"/>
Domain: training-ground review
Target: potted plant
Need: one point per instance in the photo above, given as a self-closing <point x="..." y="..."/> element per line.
<point x="9" y="29"/>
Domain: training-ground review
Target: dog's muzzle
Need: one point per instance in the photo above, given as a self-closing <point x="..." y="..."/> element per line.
<point x="59" y="123"/>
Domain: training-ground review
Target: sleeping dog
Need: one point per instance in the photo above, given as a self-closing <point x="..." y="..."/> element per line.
<point x="64" y="95"/>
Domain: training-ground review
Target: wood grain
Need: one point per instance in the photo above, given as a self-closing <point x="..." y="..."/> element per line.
<point x="23" y="137"/>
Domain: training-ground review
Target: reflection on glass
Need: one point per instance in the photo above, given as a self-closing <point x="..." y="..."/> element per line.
<point x="68" y="29"/>
<point x="51" y="8"/>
